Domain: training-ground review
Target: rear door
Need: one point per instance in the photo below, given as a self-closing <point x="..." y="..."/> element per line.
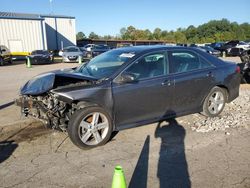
<point x="193" y="77"/>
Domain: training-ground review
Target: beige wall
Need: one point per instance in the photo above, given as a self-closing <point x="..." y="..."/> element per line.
<point x="60" y="32"/>
<point x="22" y="35"/>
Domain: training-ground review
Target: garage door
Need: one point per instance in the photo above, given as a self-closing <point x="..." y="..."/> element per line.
<point x="16" y="45"/>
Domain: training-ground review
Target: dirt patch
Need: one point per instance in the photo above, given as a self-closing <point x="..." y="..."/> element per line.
<point x="234" y="115"/>
<point x="27" y="132"/>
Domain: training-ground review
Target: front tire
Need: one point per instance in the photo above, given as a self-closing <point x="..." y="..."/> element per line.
<point x="90" y="127"/>
<point x="215" y="102"/>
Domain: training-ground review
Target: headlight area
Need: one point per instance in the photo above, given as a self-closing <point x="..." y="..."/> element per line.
<point x="48" y="108"/>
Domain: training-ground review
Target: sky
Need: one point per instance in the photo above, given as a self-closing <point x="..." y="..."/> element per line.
<point x="107" y="17"/>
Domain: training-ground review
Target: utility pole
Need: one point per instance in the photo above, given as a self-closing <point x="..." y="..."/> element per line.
<point x="51" y="9"/>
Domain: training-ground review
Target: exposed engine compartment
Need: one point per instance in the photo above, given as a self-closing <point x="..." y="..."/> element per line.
<point x="47" y="108"/>
<point x="38" y="98"/>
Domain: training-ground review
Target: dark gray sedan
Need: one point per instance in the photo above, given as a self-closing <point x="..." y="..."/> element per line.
<point x="128" y="87"/>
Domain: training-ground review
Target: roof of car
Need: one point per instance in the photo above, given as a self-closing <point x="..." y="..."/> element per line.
<point x="142" y="48"/>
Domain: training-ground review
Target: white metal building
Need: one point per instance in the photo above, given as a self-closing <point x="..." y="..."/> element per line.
<point x="28" y="32"/>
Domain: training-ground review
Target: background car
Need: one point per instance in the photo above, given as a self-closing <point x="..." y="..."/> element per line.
<point x="5" y="55"/>
<point x="121" y="45"/>
<point x="39" y="57"/>
<point x="210" y="50"/>
<point x="89" y="47"/>
<point x="95" y="50"/>
<point x="128" y="87"/>
<point x="72" y="54"/>
<point x="238" y="49"/>
<point x="216" y="45"/>
<point x="223" y="47"/>
<point x="245" y="56"/>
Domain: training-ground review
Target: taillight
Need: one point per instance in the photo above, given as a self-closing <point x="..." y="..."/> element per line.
<point x="237" y="69"/>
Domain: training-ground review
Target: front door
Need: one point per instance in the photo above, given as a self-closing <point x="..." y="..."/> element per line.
<point x="149" y="96"/>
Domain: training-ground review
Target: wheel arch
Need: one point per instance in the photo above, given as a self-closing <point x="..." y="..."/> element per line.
<point x="84" y="104"/>
<point x="87" y="104"/>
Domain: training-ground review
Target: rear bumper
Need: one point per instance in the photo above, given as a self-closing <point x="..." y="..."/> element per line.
<point x="234" y="88"/>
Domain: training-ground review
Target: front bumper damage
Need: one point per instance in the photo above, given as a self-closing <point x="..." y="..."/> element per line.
<point x="48" y="109"/>
<point x="25" y="105"/>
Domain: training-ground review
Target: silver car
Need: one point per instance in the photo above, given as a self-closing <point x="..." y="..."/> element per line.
<point x="71" y="54"/>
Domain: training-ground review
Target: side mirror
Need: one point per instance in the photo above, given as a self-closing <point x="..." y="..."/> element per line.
<point x="127" y="78"/>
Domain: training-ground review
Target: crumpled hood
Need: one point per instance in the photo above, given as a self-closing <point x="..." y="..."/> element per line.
<point x="47" y="81"/>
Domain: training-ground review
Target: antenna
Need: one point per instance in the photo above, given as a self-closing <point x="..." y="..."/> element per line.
<point x="51" y="9"/>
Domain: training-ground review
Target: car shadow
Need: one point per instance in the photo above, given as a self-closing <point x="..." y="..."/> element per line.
<point x="172" y="165"/>
<point x="140" y="174"/>
<point x="6" y="149"/>
<point x="172" y="170"/>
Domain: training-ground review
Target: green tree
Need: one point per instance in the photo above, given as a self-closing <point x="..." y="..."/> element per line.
<point x="246" y="29"/>
<point x="93" y="35"/>
<point x="80" y="35"/>
<point x="157" y="34"/>
<point x="212" y="31"/>
<point x="180" y="37"/>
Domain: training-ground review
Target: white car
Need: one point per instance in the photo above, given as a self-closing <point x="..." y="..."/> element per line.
<point x="89" y="47"/>
<point x="243" y="45"/>
<point x="71" y="54"/>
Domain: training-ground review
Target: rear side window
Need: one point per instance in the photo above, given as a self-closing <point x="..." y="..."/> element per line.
<point x="185" y="61"/>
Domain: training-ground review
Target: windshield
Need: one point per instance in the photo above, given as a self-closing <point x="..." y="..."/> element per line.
<point x="106" y="64"/>
<point x="242" y="43"/>
<point x="70" y="49"/>
<point x="100" y="47"/>
<point x="40" y="52"/>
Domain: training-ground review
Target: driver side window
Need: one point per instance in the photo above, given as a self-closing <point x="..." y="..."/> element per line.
<point x="149" y="66"/>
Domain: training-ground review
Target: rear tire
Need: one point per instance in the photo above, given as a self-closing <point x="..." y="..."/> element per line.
<point x="10" y="61"/>
<point x="90" y="127"/>
<point x="1" y="61"/>
<point x="215" y="102"/>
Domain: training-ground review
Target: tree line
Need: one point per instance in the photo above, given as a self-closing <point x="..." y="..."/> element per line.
<point x="212" y="31"/>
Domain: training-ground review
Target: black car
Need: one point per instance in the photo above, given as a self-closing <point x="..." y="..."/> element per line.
<point x="223" y="47"/>
<point x="234" y="51"/>
<point x="245" y="66"/>
<point x="39" y="57"/>
<point x="95" y="50"/>
<point x="5" y="55"/>
<point x="210" y="50"/>
<point x="128" y="87"/>
<point x="245" y="56"/>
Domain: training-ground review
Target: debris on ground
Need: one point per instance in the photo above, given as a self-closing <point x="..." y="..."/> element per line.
<point x="235" y="114"/>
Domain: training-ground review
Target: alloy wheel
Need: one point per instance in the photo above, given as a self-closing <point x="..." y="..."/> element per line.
<point x="216" y="102"/>
<point x="93" y="128"/>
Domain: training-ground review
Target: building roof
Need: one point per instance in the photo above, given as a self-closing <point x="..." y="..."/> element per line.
<point x="13" y="15"/>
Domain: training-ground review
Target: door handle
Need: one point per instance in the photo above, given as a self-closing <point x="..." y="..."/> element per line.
<point x="166" y="83"/>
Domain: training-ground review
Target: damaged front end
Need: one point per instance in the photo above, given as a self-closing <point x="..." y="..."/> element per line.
<point x="47" y="108"/>
<point x="38" y="100"/>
